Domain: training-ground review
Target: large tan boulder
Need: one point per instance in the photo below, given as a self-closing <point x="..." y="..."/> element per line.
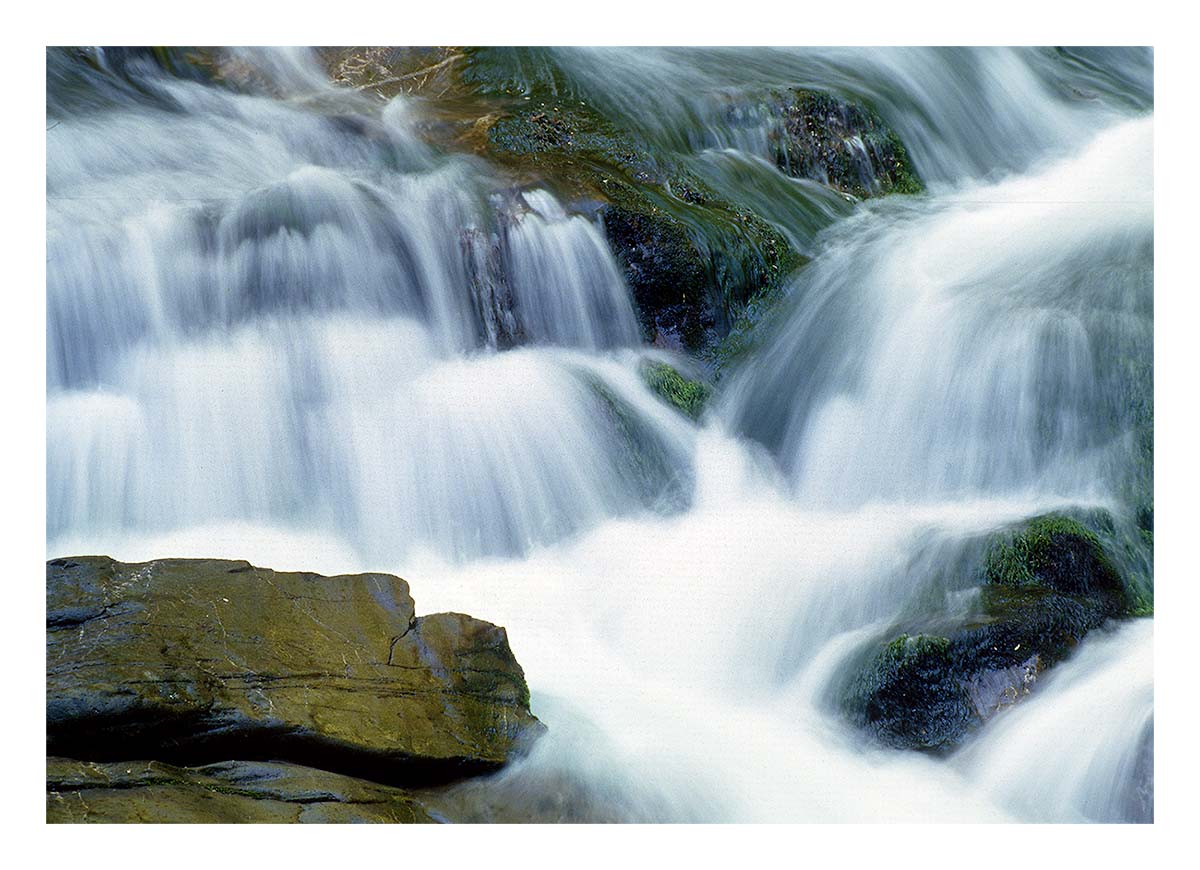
<point x="194" y="661"/>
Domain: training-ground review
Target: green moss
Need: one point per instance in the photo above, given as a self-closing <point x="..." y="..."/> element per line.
<point x="691" y="256"/>
<point x="902" y="176"/>
<point x="687" y="396"/>
<point x="906" y="647"/>
<point x="1142" y="604"/>
<point x="1055" y="552"/>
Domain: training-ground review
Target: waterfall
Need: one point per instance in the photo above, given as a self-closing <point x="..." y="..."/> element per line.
<point x="284" y="327"/>
<point x="264" y="313"/>
<point x="957" y="348"/>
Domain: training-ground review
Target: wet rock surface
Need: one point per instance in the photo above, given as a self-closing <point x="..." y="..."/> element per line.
<point x="196" y="661"/>
<point x="689" y="256"/>
<point x="692" y="258"/>
<point x="1046" y="584"/>
<point x="226" y="792"/>
<point x="841" y="143"/>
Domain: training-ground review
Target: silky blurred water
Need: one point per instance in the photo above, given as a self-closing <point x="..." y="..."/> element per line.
<point x="281" y="327"/>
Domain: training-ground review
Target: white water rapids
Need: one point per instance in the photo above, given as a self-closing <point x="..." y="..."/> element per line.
<point x="276" y="333"/>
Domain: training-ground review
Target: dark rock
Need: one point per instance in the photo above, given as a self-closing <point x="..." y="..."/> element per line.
<point x="666" y="272"/>
<point x="192" y="661"/>
<point x="841" y="143"/>
<point x="491" y="294"/>
<point x="227" y="792"/>
<point x="1054" y="552"/>
<point x="1046" y="585"/>
<point x="690" y="256"/>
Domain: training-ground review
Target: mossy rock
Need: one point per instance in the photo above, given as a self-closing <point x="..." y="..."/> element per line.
<point x="839" y="142"/>
<point x="191" y="661"/>
<point x="1046" y="584"/>
<point x="686" y="396"/>
<point x="929" y="694"/>
<point x="690" y="256"/>
<point x="555" y="126"/>
<point x="1053" y="552"/>
<point x="906" y="696"/>
<point x="225" y="792"/>
<point x="695" y="260"/>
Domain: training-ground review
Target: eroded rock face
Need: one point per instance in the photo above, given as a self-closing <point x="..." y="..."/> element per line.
<point x="1046" y="585"/>
<point x="226" y="792"/>
<point x="193" y="661"/>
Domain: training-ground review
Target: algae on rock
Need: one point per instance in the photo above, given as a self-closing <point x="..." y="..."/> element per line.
<point x="686" y="396"/>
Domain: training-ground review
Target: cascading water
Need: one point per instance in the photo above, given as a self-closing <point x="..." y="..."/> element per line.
<point x="252" y="282"/>
<point x="955" y="347"/>
<point x="283" y="328"/>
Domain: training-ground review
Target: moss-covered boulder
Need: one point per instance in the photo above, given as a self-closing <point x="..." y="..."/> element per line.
<point x="1057" y="553"/>
<point x="191" y="661"/>
<point x="839" y="142"/>
<point x="690" y="256"/>
<point x="683" y="394"/>
<point x="1046" y="584"/>
<point x="226" y="792"/>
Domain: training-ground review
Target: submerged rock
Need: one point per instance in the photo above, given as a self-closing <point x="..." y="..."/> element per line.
<point x="1046" y="585"/>
<point x="191" y="661"/>
<point x="227" y="792"/>
<point x="692" y="259"/>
